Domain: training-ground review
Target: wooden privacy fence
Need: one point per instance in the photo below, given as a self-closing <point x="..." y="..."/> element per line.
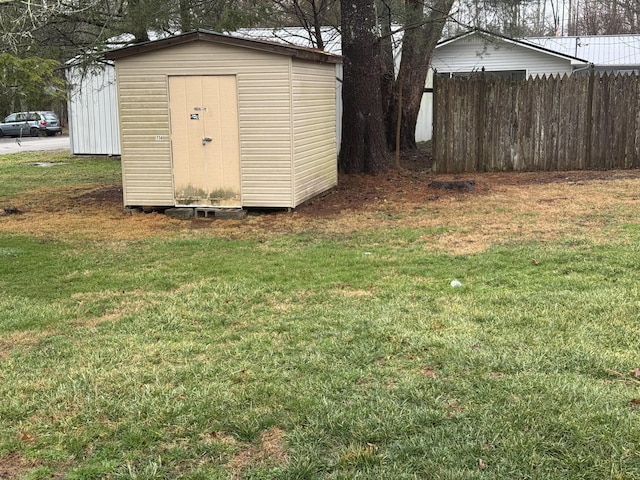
<point x="587" y="122"/>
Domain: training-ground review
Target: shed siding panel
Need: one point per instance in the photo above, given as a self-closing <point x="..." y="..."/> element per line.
<point x="314" y="125"/>
<point x="472" y="53"/>
<point x="144" y="137"/>
<point x="264" y="100"/>
<point x="93" y="113"/>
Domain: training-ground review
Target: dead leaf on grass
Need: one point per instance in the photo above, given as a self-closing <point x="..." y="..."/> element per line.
<point x="635" y="403"/>
<point x="26" y="437"/>
<point x="635" y="372"/>
<point x="429" y="372"/>
<point x="453" y="408"/>
<point x="381" y="362"/>
<point x="481" y="464"/>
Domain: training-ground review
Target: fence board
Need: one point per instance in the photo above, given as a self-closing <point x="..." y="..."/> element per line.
<point x="543" y="123"/>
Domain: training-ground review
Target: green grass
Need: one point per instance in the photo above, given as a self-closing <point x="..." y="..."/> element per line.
<point x="18" y="173"/>
<point x="170" y="358"/>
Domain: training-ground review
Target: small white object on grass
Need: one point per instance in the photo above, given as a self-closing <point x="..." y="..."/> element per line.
<point x="456" y="283"/>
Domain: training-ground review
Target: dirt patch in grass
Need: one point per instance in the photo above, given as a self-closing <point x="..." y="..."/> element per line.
<point x="501" y="207"/>
<point x="9" y="342"/>
<point x="405" y="188"/>
<point x="13" y="465"/>
<point x="127" y="303"/>
<point x="109" y="195"/>
<point x="270" y="451"/>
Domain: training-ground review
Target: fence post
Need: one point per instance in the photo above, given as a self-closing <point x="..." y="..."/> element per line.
<point x="480" y="122"/>
<point x="589" y="112"/>
<point x="434" y="120"/>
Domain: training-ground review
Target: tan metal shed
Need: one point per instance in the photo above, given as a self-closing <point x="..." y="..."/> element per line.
<point x="212" y="120"/>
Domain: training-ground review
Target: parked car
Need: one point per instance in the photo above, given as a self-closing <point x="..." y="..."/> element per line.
<point x="21" y="124"/>
<point x="49" y="123"/>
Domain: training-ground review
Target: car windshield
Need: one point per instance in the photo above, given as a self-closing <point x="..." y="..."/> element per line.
<point x="10" y="118"/>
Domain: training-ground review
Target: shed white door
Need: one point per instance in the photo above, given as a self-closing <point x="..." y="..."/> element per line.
<point x="204" y="140"/>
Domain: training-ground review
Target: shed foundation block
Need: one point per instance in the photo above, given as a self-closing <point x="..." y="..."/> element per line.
<point x="221" y="213"/>
<point x="179" y="213"/>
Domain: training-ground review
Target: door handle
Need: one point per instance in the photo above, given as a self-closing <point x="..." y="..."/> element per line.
<point x="206" y="140"/>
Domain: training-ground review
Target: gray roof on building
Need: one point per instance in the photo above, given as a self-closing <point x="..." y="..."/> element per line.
<point x="601" y="50"/>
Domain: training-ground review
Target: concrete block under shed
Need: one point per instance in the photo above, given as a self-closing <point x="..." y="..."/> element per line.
<point x="179" y="213"/>
<point x="221" y="213"/>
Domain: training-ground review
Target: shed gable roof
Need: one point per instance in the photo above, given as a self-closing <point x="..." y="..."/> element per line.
<point x="301" y="53"/>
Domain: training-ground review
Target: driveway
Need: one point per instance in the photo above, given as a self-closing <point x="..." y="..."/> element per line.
<point x="31" y="144"/>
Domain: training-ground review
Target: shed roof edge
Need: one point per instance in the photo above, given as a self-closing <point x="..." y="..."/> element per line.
<point x="294" y="51"/>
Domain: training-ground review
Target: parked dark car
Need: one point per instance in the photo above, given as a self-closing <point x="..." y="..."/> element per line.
<point x="21" y="124"/>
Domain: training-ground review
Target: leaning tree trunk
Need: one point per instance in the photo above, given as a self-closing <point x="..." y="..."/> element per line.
<point x="363" y="148"/>
<point x="420" y="39"/>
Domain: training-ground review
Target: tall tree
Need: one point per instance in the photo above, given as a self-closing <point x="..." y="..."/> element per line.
<point x="422" y="30"/>
<point x="29" y="83"/>
<point x="514" y="18"/>
<point x="608" y="17"/>
<point x="363" y="148"/>
<point x="388" y="18"/>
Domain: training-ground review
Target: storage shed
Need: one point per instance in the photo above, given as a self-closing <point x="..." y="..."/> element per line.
<point x="210" y="120"/>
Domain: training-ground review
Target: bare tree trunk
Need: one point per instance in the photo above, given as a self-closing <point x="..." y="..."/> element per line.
<point x="363" y="148"/>
<point x="317" y="26"/>
<point x="387" y="66"/>
<point x="311" y="15"/>
<point x="420" y="39"/>
<point x="185" y="16"/>
<point x="137" y="10"/>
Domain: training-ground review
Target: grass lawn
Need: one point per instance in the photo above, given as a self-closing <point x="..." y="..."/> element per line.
<point x="284" y="347"/>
